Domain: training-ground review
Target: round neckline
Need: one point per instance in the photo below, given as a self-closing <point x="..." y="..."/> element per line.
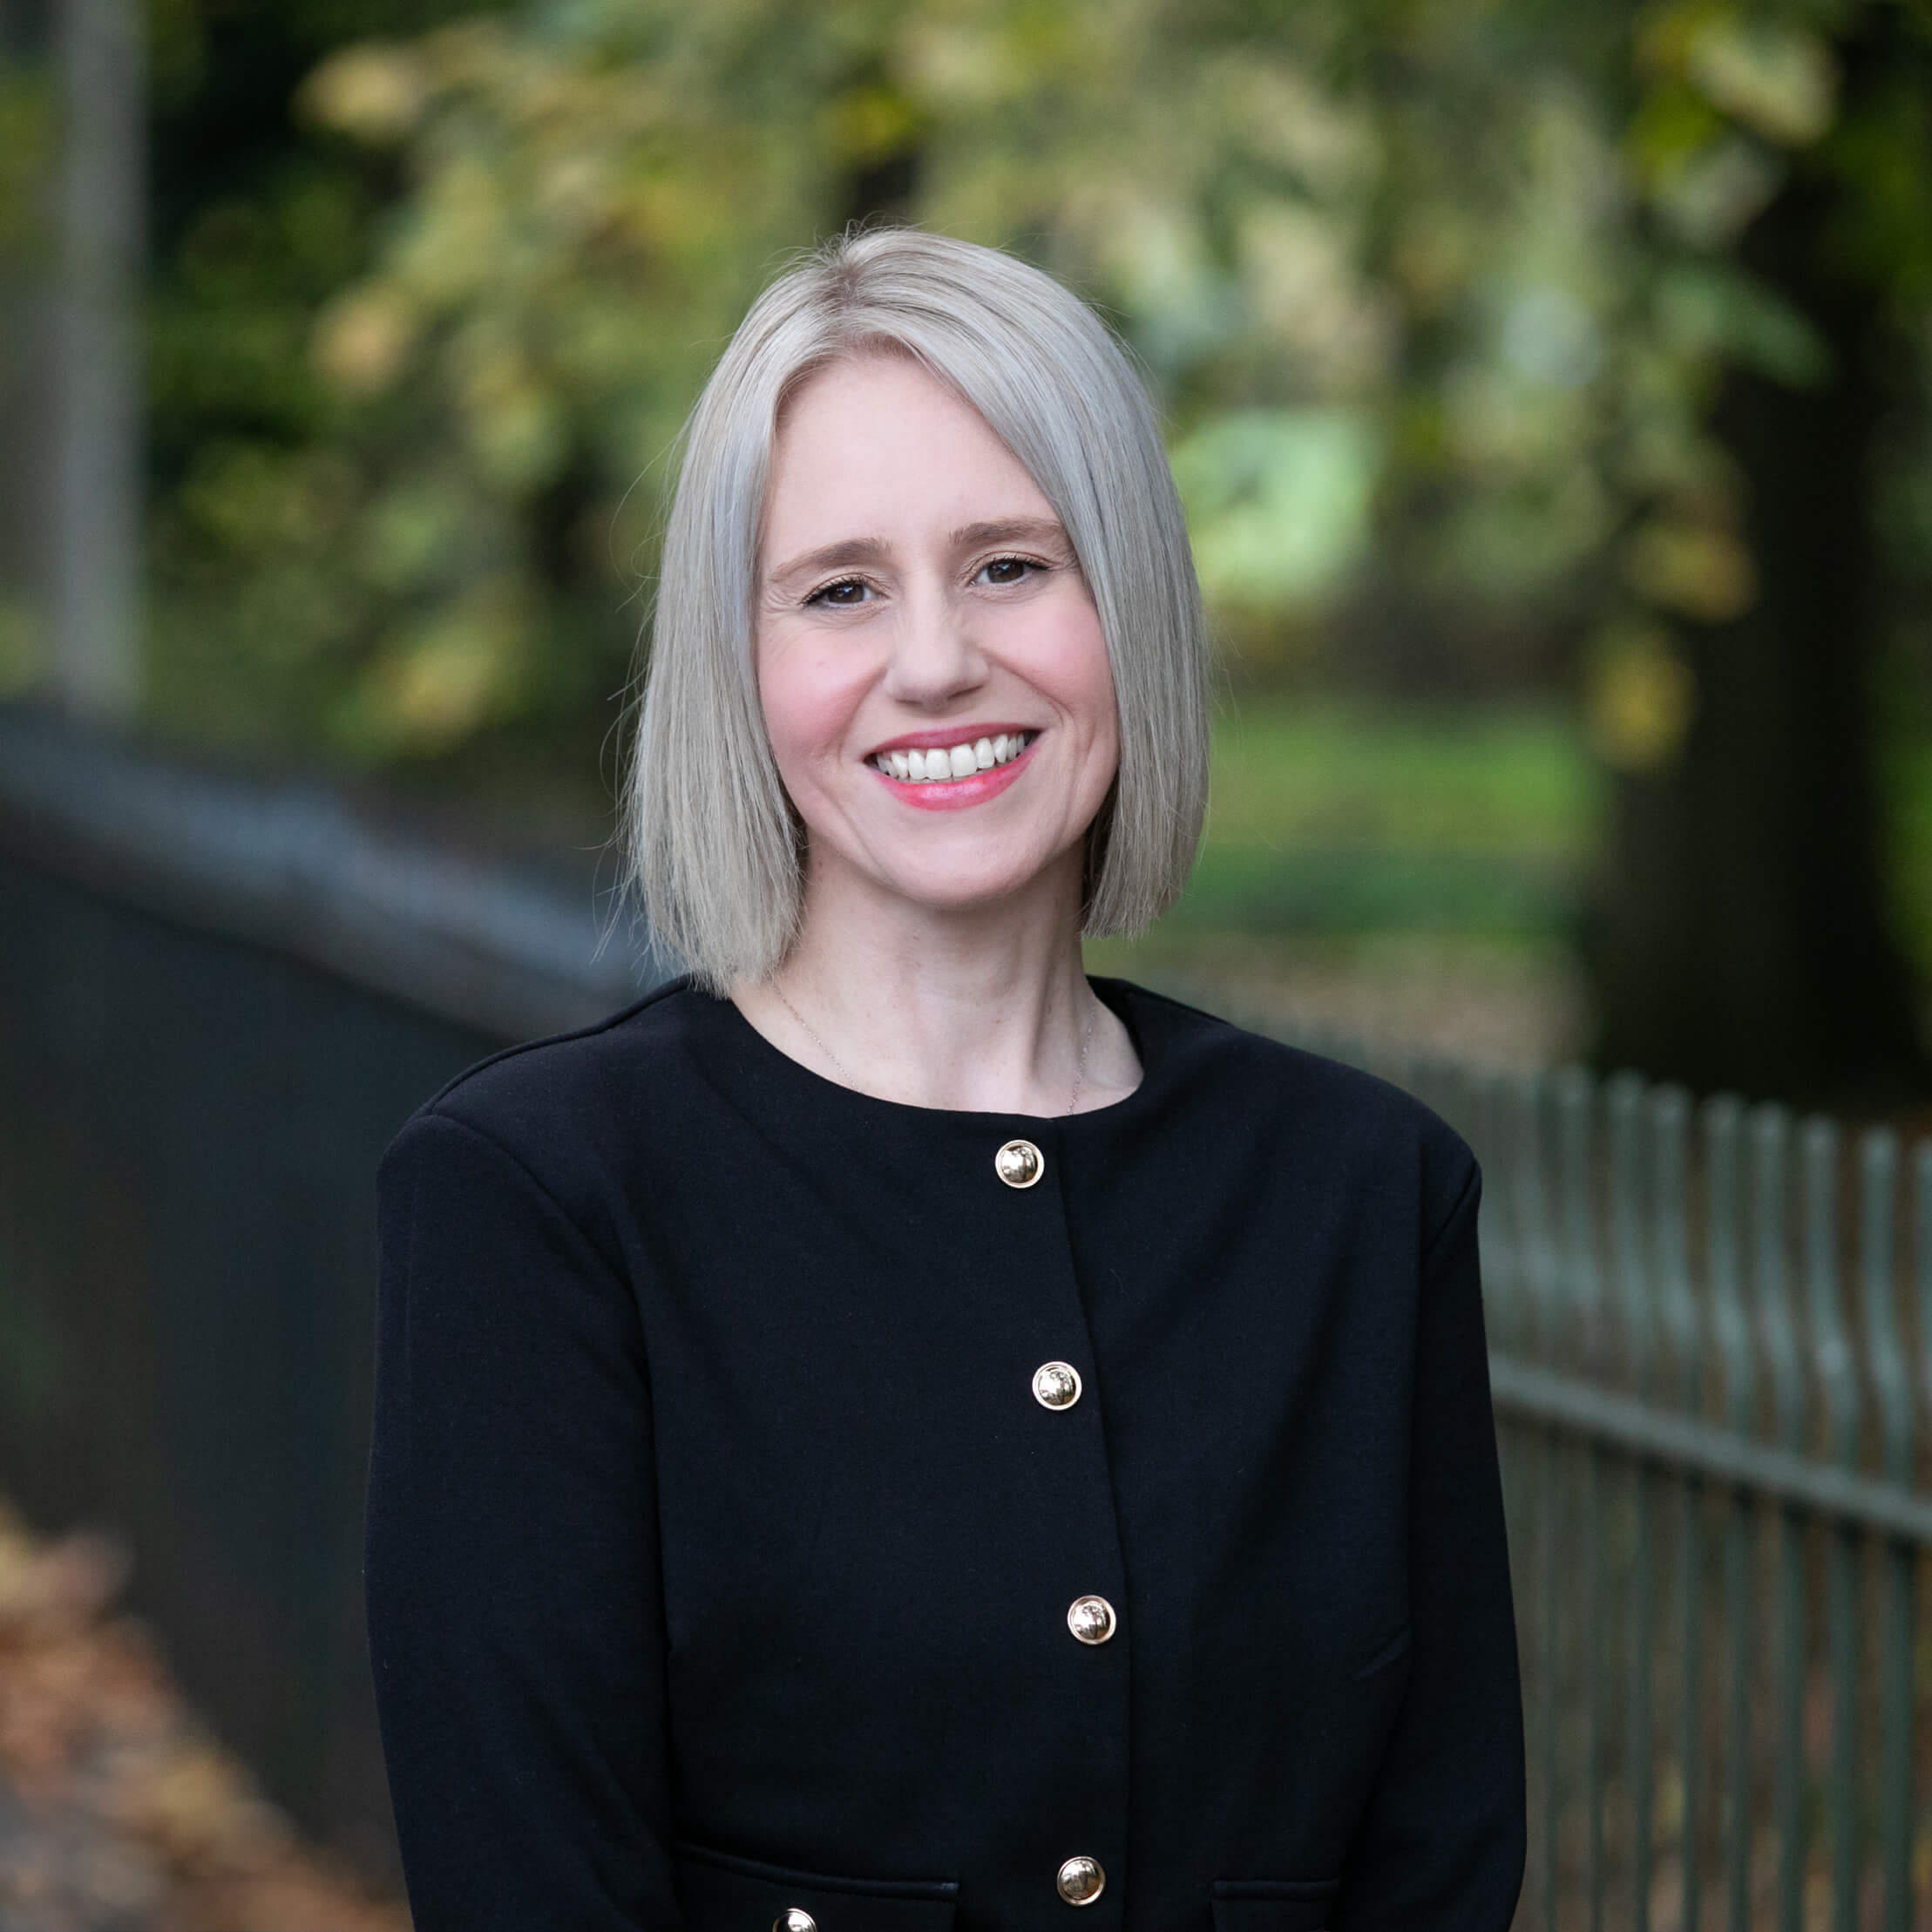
<point x="1117" y="995"/>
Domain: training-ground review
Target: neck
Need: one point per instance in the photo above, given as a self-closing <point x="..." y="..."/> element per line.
<point x="984" y="1010"/>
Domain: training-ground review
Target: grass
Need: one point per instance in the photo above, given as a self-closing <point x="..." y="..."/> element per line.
<point x="1411" y="872"/>
<point x="1323" y="772"/>
<point x="1426" y="843"/>
<point x="1329" y="818"/>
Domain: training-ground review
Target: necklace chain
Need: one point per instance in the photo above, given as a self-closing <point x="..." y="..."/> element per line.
<point x="845" y="1073"/>
<point x="1080" y="1065"/>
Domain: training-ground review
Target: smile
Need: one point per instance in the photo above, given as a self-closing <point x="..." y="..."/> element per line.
<point x="949" y="777"/>
<point x="942" y="762"/>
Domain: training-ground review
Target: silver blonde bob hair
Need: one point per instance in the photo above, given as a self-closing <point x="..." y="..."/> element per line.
<point x="712" y="839"/>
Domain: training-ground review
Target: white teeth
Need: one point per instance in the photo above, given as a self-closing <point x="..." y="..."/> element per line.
<point x="958" y="761"/>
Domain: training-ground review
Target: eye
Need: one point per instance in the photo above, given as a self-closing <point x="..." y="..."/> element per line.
<point x="1008" y="570"/>
<point x="846" y="595"/>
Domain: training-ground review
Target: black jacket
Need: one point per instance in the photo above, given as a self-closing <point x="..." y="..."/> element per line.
<point x="721" y="1552"/>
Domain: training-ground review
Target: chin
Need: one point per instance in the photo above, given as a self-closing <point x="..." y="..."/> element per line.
<point x="965" y="889"/>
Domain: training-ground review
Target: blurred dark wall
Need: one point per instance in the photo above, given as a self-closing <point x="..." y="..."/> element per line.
<point x="188" y="1132"/>
<point x="192" y="1106"/>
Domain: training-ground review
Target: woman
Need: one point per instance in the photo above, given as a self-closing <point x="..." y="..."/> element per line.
<point x="887" y="1433"/>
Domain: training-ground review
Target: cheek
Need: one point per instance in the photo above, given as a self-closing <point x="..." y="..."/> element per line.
<point x="807" y="697"/>
<point x="1075" y="664"/>
<point x="1101" y="694"/>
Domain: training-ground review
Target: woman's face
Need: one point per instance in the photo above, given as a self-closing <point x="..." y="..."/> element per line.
<point x="934" y="679"/>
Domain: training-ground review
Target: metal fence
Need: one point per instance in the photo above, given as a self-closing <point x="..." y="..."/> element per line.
<point x="1710" y="1352"/>
<point x="1711" y="1336"/>
<point x="219" y="995"/>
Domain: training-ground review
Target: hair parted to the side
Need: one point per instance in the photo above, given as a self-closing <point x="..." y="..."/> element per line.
<point x="711" y="835"/>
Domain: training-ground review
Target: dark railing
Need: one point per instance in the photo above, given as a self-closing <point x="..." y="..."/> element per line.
<point x="218" y="999"/>
<point x="1710" y="1352"/>
<point x="1711" y="1335"/>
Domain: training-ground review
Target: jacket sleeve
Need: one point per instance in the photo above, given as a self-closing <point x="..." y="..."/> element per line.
<point x="515" y="1607"/>
<point x="1441" y="1843"/>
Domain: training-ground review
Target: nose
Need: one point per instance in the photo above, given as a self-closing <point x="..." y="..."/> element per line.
<point x="934" y="658"/>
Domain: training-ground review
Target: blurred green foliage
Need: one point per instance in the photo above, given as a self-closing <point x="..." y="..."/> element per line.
<point x="27" y="134"/>
<point x="1342" y="816"/>
<point x="256" y="622"/>
<point x="1338" y="816"/>
<point x="1425" y="375"/>
<point x="1438" y="779"/>
<point x="1436" y="298"/>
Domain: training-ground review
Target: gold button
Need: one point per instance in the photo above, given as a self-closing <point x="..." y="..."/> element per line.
<point x="795" y="1919"/>
<point x="1091" y="1619"/>
<point x="1056" y="1385"/>
<point x="1081" y="1881"/>
<point x="1020" y="1164"/>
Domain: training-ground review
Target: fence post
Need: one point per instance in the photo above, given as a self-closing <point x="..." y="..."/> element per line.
<point x="1669" y="1117"/>
<point x="1722" y="1121"/>
<point x="1636" y="1285"/>
<point x="1891" y="1381"/>
<point x="1778" y="1329"/>
<point x="1503" y="1268"/>
<point x="1831" y="1358"/>
<point x="1576" y="1126"/>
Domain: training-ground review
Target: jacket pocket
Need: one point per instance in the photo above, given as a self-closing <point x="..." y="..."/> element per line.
<point x="721" y="1892"/>
<point x="1272" y="1904"/>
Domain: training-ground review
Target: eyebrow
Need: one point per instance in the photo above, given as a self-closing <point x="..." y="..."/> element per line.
<point x="849" y="550"/>
<point x="1043" y="531"/>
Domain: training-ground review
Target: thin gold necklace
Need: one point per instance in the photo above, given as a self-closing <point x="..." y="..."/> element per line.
<point x="811" y="1034"/>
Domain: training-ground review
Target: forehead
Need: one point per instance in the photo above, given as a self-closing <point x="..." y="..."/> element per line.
<point x="876" y="441"/>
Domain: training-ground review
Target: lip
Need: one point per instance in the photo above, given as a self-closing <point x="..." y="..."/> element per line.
<point x="954" y="794"/>
<point x="946" y="738"/>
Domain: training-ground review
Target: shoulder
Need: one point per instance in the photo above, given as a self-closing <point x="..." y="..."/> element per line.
<point x="563" y="1106"/>
<point x="1325" y="1116"/>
